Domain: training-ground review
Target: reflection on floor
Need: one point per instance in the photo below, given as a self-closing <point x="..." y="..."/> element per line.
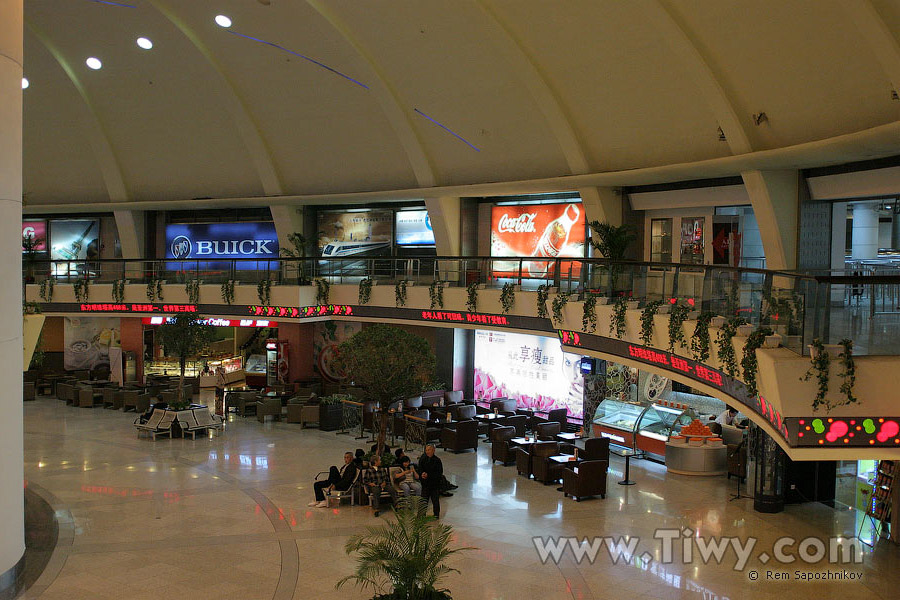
<point x="879" y="334"/>
<point x="226" y="517"/>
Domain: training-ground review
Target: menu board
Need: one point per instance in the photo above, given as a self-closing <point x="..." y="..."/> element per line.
<point x="539" y="230"/>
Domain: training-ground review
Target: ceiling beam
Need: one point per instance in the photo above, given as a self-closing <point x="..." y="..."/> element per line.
<point x="876" y="34"/>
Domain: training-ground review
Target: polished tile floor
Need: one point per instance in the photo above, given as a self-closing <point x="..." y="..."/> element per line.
<point x="227" y="517"/>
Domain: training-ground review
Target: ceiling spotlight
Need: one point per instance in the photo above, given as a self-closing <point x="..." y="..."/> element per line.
<point x="93" y="63"/>
<point x="25" y="83"/>
<point x="223" y="21"/>
<point x="760" y="117"/>
<point x="721" y="135"/>
<point x="144" y="43"/>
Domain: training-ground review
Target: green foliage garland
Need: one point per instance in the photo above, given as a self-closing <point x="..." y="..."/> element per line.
<point x="559" y="302"/>
<point x="192" y="289"/>
<point x="154" y="290"/>
<point x="542" y="292"/>
<point x="647" y="321"/>
<point x="726" y="348"/>
<point x="617" y="323"/>
<point x="400" y="293"/>
<point x="264" y="291"/>
<point x="365" y="290"/>
<point x="700" y="340"/>
<point x="323" y="289"/>
<point x="118" y="291"/>
<point x="228" y="291"/>
<point x="820" y="366"/>
<point x="848" y="375"/>
<point x="82" y="289"/>
<point x="507" y="297"/>
<point x="472" y="297"/>
<point x="436" y="294"/>
<point x="589" y="314"/>
<point x="677" y="317"/>
<point x="46" y="290"/>
<point x="749" y="365"/>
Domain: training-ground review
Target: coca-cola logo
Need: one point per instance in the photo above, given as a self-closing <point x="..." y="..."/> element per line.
<point x="524" y="223"/>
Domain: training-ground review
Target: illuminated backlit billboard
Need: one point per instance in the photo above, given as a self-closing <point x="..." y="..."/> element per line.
<point x="351" y="233"/>
<point x="539" y="230"/>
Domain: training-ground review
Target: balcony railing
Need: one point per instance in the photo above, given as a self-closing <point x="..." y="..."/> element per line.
<point x="800" y="306"/>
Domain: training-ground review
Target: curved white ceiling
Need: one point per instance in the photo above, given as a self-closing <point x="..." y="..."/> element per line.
<point x="536" y="90"/>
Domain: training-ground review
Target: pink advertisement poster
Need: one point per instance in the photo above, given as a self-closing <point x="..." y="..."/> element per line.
<point x="532" y="369"/>
<point x="38" y="231"/>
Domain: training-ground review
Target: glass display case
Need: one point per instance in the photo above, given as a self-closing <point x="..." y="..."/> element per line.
<point x="659" y="422"/>
<point x="618" y="421"/>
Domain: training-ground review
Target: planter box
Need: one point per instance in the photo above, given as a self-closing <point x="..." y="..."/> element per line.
<point x="717" y="322"/>
<point x="744" y="330"/>
<point x="693" y="315"/>
<point x="603" y="301"/>
<point x="833" y="350"/>
<point x="772" y="341"/>
<point x="632" y="304"/>
<point x="664" y="309"/>
<point x="330" y="416"/>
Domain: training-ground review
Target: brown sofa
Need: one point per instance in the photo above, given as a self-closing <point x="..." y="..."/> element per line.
<point x="460" y="435"/>
<point x="590" y="480"/>
<point x="500" y="448"/>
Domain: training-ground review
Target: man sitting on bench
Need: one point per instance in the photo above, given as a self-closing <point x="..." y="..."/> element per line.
<point x="338" y="479"/>
<point x="375" y="481"/>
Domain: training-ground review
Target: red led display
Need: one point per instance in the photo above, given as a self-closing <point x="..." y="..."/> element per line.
<point x="458" y="317"/>
<point x="677" y="363"/>
<point x="299" y="312"/>
<point x="163" y="308"/>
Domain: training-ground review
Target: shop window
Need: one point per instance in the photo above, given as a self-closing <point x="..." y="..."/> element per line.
<point x="661" y="240"/>
<point x="692" y="240"/>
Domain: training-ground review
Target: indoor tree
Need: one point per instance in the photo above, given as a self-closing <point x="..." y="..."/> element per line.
<point x="388" y="363"/>
<point x="612" y="242"/>
<point x="182" y="337"/>
<point x="301" y="250"/>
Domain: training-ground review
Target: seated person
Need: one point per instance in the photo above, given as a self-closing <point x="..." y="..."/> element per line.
<point x="359" y="458"/>
<point x="408" y="478"/>
<point x="376" y="481"/>
<point x="159" y="404"/>
<point x="338" y="479"/>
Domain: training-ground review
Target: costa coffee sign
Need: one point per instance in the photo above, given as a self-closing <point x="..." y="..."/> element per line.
<point x="544" y="231"/>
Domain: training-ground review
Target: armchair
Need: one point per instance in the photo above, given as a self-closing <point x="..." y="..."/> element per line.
<point x="544" y="469"/>
<point x="459" y="436"/>
<point x="546" y="432"/>
<point x="596" y="449"/>
<point x="517" y="421"/>
<point x="503" y="406"/>
<point x="527" y="459"/>
<point x="590" y="480"/>
<point x="557" y="415"/>
<point x="268" y="406"/>
<point x="414" y="403"/>
<point x="454" y="397"/>
<point x="500" y="448"/>
<point x="432" y="399"/>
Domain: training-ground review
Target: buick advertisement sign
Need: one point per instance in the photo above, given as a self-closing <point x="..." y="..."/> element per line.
<point x="210" y="243"/>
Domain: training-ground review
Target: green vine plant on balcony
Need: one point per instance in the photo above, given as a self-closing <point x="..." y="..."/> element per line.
<point x="820" y="367"/>
<point x="228" y="291"/>
<point x="783" y="312"/>
<point x="365" y="291"/>
<point x="154" y="290"/>
<point x="31" y="308"/>
<point x="749" y="365"/>
<point x="559" y="302"/>
<point x="472" y="297"/>
<point x="118" y="291"/>
<point x="543" y="292"/>
<point x="264" y="291"/>
<point x="436" y="294"/>
<point x="617" y="323"/>
<point x="507" y="297"/>
<point x="848" y="375"/>
<point x="677" y="317"/>
<point x="46" y="289"/>
<point x="726" y="348"/>
<point x="647" y="321"/>
<point x="82" y="289"/>
<point x="700" y="341"/>
<point x="400" y="293"/>
<point x="589" y="313"/>
<point x="192" y="289"/>
<point x="323" y="288"/>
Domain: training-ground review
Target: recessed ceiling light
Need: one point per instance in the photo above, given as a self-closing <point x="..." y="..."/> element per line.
<point x="223" y="21"/>
<point x="144" y="43"/>
<point x="25" y="83"/>
<point x="93" y="63"/>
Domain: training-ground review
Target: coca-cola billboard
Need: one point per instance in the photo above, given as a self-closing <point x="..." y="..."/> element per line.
<point x="539" y="230"/>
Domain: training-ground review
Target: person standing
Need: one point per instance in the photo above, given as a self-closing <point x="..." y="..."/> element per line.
<point x="431" y="471"/>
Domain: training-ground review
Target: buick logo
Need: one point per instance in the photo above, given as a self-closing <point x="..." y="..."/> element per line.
<point x="181" y="247"/>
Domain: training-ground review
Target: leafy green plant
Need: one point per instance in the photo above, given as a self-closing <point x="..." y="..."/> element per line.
<point x="154" y="290"/>
<point x="700" y="341"/>
<point x="589" y="313"/>
<point x="617" y="323"/>
<point x="436" y="294"/>
<point x="30" y="245"/>
<point x="118" y="291"/>
<point x="543" y="292"/>
<point x="848" y="375"/>
<point x="820" y="367"/>
<point x="400" y="293"/>
<point x="472" y="297"/>
<point x="365" y="290"/>
<point x="82" y="289"/>
<point x="192" y="289"/>
<point x="559" y="303"/>
<point x="31" y="308"/>
<point x="749" y="365"/>
<point x="677" y="317"/>
<point x="507" y="297"/>
<point x="323" y="289"/>
<point x="264" y="291"/>
<point x="612" y="242"/>
<point x="184" y="336"/>
<point x="227" y="290"/>
<point x="335" y="399"/>
<point x="301" y="246"/>
<point x="406" y="559"/>
<point x="46" y="289"/>
<point x="724" y="346"/>
<point x="647" y="321"/>
<point x="783" y="311"/>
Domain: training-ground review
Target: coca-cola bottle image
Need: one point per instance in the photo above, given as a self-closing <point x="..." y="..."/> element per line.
<point x="554" y="239"/>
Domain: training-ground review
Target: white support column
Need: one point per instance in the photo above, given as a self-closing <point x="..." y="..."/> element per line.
<point x="776" y="204"/>
<point x="12" y="504"/>
<point x="602" y="204"/>
<point x="130" y="225"/>
<point x="838" y="248"/>
<point x="444" y="215"/>
<point x="864" y="244"/>
<point x="288" y="220"/>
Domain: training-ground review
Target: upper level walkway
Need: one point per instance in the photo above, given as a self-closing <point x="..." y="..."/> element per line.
<point x="582" y="302"/>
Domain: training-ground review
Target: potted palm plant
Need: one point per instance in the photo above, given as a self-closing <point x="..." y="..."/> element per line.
<point x="331" y="412"/>
<point x="612" y="242"/>
<point x="403" y="560"/>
